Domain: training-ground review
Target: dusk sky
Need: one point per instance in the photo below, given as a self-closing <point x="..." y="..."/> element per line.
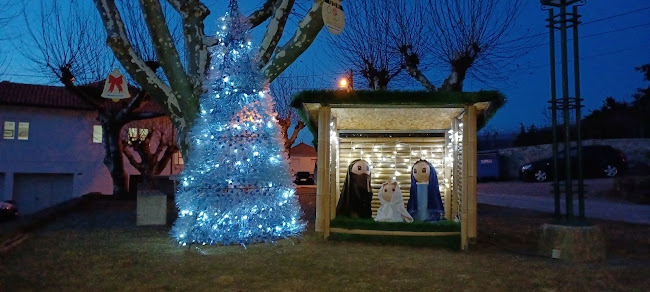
<point x="614" y="39"/>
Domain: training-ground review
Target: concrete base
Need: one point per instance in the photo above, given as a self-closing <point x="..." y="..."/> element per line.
<point x="572" y="243"/>
<point x="152" y="208"/>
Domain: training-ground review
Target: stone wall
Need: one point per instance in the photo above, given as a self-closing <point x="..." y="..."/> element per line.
<point x="637" y="152"/>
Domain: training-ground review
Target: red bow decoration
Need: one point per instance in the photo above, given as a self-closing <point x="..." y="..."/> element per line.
<point x="115" y="81"/>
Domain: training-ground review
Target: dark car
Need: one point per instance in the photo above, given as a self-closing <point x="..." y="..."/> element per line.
<point x="8" y="210"/>
<point x="304" y="178"/>
<point x="597" y="161"/>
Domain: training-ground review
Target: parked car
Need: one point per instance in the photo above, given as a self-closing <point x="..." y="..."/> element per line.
<point x="8" y="210"/>
<point x="304" y="178"/>
<point x="597" y="161"/>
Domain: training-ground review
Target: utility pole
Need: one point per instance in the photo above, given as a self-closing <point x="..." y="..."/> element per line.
<point x="566" y="104"/>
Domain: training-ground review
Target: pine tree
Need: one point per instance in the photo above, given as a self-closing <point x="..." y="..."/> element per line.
<point x="237" y="186"/>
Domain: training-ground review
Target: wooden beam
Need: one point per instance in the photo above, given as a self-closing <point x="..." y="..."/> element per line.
<point x="323" y="176"/>
<point x="387" y="232"/>
<point x="470" y="152"/>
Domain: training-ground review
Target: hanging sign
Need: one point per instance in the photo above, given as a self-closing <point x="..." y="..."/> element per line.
<point x="333" y="16"/>
<point x="115" y="86"/>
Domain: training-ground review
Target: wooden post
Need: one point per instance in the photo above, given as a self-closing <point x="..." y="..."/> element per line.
<point x="455" y="180"/>
<point x="464" y="200"/>
<point x="469" y="157"/>
<point x="447" y="178"/>
<point x="334" y="176"/>
<point x="323" y="185"/>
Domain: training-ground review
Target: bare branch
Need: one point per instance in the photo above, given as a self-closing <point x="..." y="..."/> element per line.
<point x="181" y="110"/>
<point x="67" y="36"/>
<point x="364" y="44"/>
<point x="144" y="116"/>
<point x="164" y="45"/>
<point x="126" y="149"/>
<point x="275" y="29"/>
<point x="307" y="31"/>
<point x="262" y="14"/>
<point x="196" y="42"/>
<point x="299" y="126"/>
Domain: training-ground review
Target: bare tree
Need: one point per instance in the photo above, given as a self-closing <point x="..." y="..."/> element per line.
<point x="179" y="92"/>
<point x="153" y="142"/>
<point x="467" y="36"/>
<point x="474" y="34"/>
<point x="282" y="90"/>
<point x="8" y="12"/>
<point x="410" y="38"/>
<point x="69" y="48"/>
<point x="363" y="42"/>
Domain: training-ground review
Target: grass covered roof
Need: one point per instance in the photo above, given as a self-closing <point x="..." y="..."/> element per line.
<point x="394" y="98"/>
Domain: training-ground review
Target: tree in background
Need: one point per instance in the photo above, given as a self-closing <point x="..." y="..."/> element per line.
<point x="613" y="120"/>
<point x="282" y="90"/>
<point x="8" y="12"/>
<point x="69" y="48"/>
<point x="533" y="135"/>
<point x="152" y="141"/>
<point x="363" y="42"/>
<point x="641" y="103"/>
<point x="470" y="37"/>
<point x="179" y="91"/>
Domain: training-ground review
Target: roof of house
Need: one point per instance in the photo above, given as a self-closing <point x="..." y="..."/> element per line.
<point x="48" y="96"/>
<point x="302" y="150"/>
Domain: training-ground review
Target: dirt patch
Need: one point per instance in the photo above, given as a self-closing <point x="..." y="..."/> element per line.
<point x="516" y="231"/>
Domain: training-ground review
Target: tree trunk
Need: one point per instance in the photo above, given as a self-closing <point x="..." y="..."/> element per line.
<point x="113" y="158"/>
<point x="455" y="80"/>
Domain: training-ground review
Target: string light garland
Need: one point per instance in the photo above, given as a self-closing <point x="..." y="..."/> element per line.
<point x="236" y="187"/>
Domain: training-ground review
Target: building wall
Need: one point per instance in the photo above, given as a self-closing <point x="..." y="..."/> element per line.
<point x="59" y="141"/>
<point x="305" y="163"/>
<point x="59" y="146"/>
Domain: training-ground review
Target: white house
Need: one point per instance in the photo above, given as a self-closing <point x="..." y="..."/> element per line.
<point x="51" y="149"/>
<point x="303" y="158"/>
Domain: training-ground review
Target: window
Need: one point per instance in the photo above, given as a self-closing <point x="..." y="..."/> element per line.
<point x="97" y="134"/>
<point x="9" y="130"/>
<point x="23" y="130"/>
<point x="138" y="134"/>
<point x="178" y="158"/>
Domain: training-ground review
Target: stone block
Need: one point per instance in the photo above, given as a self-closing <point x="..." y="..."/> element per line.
<point x="151" y="208"/>
<point x="572" y="243"/>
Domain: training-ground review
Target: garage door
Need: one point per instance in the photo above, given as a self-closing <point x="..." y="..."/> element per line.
<point x="36" y="191"/>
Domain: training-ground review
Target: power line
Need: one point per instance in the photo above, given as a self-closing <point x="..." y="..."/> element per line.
<point x="589" y="22"/>
<point x="588" y="36"/>
<point x="588" y="57"/>
<point x="617" y="15"/>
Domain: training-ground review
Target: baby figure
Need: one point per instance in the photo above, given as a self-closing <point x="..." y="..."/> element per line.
<point x="392" y="205"/>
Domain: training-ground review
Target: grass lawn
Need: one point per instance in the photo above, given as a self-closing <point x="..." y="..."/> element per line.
<point x="100" y="249"/>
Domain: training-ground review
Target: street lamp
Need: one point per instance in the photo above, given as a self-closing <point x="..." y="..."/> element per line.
<point x="343" y="84"/>
<point x="347" y="82"/>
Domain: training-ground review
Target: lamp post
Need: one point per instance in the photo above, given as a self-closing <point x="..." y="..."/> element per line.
<point x="565" y="104"/>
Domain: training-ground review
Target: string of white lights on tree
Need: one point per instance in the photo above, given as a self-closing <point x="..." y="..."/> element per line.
<point x="236" y="186"/>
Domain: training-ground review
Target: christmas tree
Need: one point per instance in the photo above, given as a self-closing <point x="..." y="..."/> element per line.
<point x="236" y="186"/>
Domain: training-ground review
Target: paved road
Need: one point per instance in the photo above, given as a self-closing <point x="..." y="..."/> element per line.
<point x="594" y="208"/>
